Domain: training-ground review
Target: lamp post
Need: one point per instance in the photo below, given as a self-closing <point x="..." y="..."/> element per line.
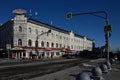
<point x="37" y="37"/>
<point x="107" y="27"/>
<point x="8" y="47"/>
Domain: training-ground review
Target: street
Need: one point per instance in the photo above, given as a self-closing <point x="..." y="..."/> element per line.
<point x="31" y="70"/>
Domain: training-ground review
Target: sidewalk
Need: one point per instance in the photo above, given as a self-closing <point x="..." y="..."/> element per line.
<point x="5" y="60"/>
<point x="114" y="73"/>
<point x="71" y="73"/>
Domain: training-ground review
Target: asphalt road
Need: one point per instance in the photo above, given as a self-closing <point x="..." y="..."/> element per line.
<point x="34" y="69"/>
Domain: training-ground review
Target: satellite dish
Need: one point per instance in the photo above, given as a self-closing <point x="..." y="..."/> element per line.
<point x="19" y="11"/>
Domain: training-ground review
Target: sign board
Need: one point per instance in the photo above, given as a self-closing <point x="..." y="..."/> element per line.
<point x="108" y="28"/>
<point x="8" y="46"/>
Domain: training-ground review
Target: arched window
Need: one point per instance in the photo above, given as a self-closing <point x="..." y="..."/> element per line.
<point x="29" y="42"/>
<point x="47" y="44"/>
<point x="20" y="29"/>
<point x="56" y="45"/>
<point x="29" y="30"/>
<point x="52" y="45"/>
<point x="42" y="44"/>
<point x="60" y="45"/>
<point x="19" y="42"/>
<point x="71" y="46"/>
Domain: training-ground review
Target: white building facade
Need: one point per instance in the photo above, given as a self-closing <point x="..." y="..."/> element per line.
<point x="30" y="38"/>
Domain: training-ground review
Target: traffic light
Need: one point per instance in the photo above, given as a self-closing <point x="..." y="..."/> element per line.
<point x="108" y="28"/>
<point x="69" y="15"/>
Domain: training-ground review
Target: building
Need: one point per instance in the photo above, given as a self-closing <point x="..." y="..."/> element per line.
<point x="29" y="38"/>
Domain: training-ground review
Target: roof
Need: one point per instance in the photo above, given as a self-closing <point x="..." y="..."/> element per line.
<point x="47" y="25"/>
<point x="10" y="21"/>
<point x="51" y="27"/>
<point x="77" y="35"/>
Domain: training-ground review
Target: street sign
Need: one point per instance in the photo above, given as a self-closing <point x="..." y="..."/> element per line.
<point x="69" y="15"/>
<point x="108" y="28"/>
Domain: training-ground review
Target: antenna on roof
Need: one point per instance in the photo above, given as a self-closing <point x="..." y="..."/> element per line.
<point x="36" y="14"/>
<point x="51" y="23"/>
<point x="30" y="14"/>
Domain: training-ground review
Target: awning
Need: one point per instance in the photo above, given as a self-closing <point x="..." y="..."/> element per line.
<point x="17" y="48"/>
<point x="48" y="49"/>
<point x="66" y="50"/>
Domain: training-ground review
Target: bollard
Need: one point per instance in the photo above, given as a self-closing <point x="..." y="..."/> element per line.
<point x="112" y="61"/>
<point x="82" y="76"/>
<point x="108" y="65"/>
<point x="116" y="59"/>
<point x="96" y="71"/>
<point x="97" y="74"/>
<point x="104" y="68"/>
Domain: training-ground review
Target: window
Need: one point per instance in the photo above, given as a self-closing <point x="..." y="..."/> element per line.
<point x="41" y="31"/>
<point x="47" y="44"/>
<point x="20" y="29"/>
<point x="52" y="45"/>
<point x="57" y="53"/>
<point x="19" y="42"/>
<point x="56" y="45"/>
<point x="47" y="34"/>
<point x="60" y="45"/>
<point x="68" y="46"/>
<point x="56" y="36"/>
<point x="71" y="46"/>
<point x="36" y="31"/>
<point x="29" y="42"/>
<point x="42" y="44"/>
<point x="29" y="30"/>
<point x="52" y="53"/>
<point x="64" y="37"/>
<point x="47" y="53"/>
<point x="64" y="46"/>
<point x="60" y="37"/>
<point x="67" y="38"/>
<point x="52" y="34"/>
<point x="71" y="40"/>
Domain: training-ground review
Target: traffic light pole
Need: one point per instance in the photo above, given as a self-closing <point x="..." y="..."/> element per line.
<point x="69" y="16"/>
<point x="107" y="46"/>
<point x="107" y="39"/>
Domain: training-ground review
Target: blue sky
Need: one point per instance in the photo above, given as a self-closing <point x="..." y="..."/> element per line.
<point x="55" y="11"/>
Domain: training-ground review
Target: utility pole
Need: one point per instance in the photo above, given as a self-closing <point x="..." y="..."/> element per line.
<point x="107" y="27"/>
<point x="37" y="37"/>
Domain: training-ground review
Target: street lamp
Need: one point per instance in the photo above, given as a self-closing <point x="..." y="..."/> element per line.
<point x="107" y="27"/>
<point x="37" y="37"/>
